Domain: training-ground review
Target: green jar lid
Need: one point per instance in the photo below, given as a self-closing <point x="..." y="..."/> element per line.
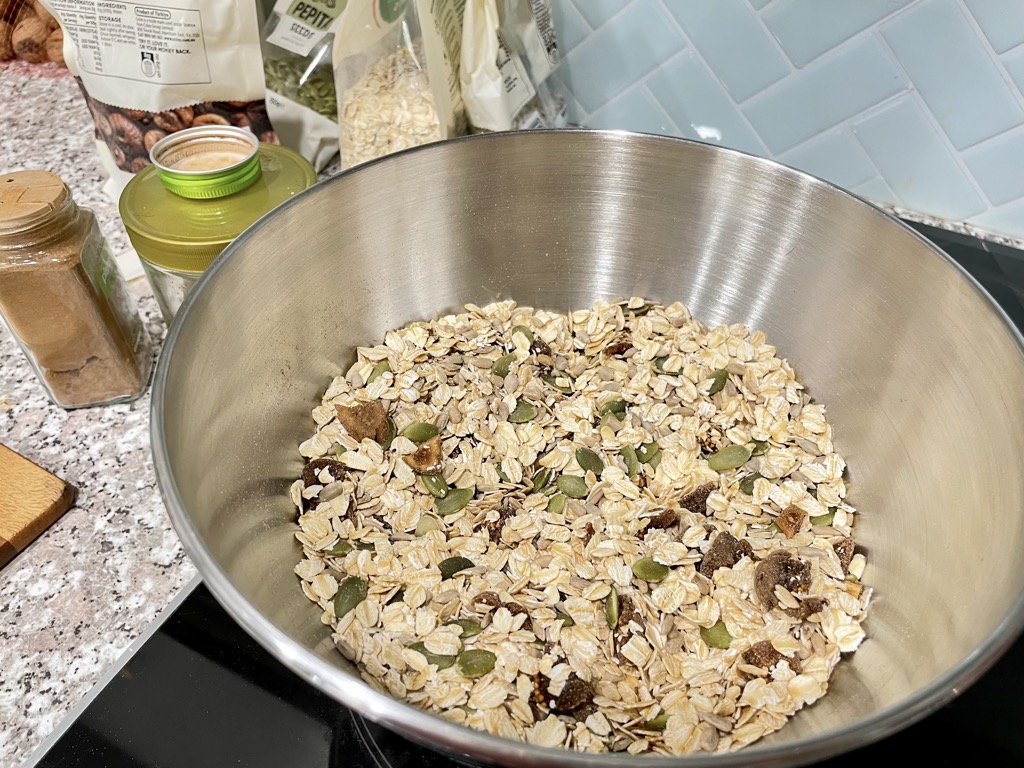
<point x="207" y="161"/>
<point x="185" y="234"/>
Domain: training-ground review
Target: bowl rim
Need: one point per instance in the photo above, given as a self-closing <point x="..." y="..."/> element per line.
<point x="443" y="735"/>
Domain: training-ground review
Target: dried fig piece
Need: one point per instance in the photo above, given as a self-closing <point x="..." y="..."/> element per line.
<point x="780" y="567"/>
<point x="55" y="46"/>
<point x="366" y="420"/>
<point x="515" y="609"/>
<point x="269" y="137"/>
<point x="427" y="459"/>
<point x="104" y="130"/>
<point x="808" y="607"/>
<point x="488" y="598"/>
<point x="764" y="655"/>
<point x="506" y="510"/>
<point x="29" y="39"/>
<point x="696" y="501"/>
<point x="186" y="115"/>
<point x="311" y="472"/>
<point x="241" y="120"/>
<point x="540" y="347"/>
<point x="726" y="550"/>
<point x="844" y="549"/>
<point x="576" y="694"/>
<point x="118" y="154"/>
<point x="791" y="520"/>
<point x="617" y="348"/>
<point x="138" y="163"/>
<point x="665" y="518"/>
<point x="139" y="114"/>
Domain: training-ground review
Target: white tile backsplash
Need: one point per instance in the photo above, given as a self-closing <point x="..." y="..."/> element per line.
<point x="911" y="103"/>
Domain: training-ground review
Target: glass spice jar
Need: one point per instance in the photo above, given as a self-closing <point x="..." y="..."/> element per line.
<point x="205" y="187"/>
<point x="63" y="297"/>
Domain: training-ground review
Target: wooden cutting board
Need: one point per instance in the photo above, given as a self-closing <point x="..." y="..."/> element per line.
<point x="30" y="500"/>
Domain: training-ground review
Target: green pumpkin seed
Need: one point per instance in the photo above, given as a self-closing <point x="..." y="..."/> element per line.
<point x="567" y="620"/>
<point x="351" y="592"/>
<point x="452" y="565"/>
<point x="655" y="461"/>
<point x="760" y="448"/>
<point x="659" y="367"/>
<point x="573" y="486"/>
<point x="541" y="479"/>
<point x="502" y="476"/>
<point x="657" y="723"/>
<point x="339" y="449"/>
<point x="442" y="662"/>
<point x="435" y="485"/>
<point x="825" y="519"/>
<point x="640" y="311"/>
<point x="421" y="431"/>
<point x="718" y="379"/>
<point x="502" y="364"/>
<point x="611" y="608"/>
<point x="455" y="500"/>
<point x="523" y="412"/>
<point x="428" y="523"/>
<point x="747" y="483"/>
<point x="523" y="330"/>
<point x="343" y="547"/>
<point x="773" y="528"/>
<point x="650" y="570"/>
<point x="629" y="456"/>
<point x="392" y="434"/>
<point x="556" y="504"/>
<point x="378" y="370"/>
<point x="589" y="461"/>
<point x="552" y="381"/>
<point x="616" y="408"/>
<point x="717" y="636"/>
<point x="475" y="662"/>
<point x="470" y="628"/>
<point x="730" y="457"/>
<point x="646" y="452"/>
<point x="398" y="597"/>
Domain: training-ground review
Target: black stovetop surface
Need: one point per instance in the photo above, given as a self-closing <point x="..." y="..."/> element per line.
<point x="200" y="693"/>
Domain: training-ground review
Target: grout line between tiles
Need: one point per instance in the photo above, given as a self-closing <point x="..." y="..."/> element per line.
<point x="775" y="42"/>
<point x="610" y="19"/>
<point x="995" y="57"/>
<point x="661" y="108"/>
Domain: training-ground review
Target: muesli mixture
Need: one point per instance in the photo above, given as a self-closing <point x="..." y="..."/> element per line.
<point x="614" y="529"/>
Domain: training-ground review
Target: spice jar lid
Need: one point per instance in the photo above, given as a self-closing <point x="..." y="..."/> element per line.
<point x="185" y="234"/>
<point x="28" y="198"/>
<point x="207" y="161"/>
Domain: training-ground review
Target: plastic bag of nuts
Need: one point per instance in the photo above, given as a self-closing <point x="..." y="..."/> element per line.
<point x="162" y="67"/>
<point x="396" y="71"/>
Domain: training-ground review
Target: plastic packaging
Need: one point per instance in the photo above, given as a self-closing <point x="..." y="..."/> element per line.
<point x="509" y="52"/>
<point x="63" y="297"/>
<point x="205" y="187"/>
<point x="396" y="73"/>
<point x="154" y="69"/>
<point x="301" y="100"/>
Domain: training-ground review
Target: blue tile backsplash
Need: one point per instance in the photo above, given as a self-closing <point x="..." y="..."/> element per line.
<point x="917" y="104"/>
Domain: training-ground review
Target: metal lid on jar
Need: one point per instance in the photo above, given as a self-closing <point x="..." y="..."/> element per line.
<point x="186" y="234"/>
<point x="207" y="161"/>
<point x="28" y="198"/>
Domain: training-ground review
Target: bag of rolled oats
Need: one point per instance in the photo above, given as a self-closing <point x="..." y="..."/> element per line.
<point x="151" y="69"/>
<point x="396" y="71"/>
<point x="509" y="51"/>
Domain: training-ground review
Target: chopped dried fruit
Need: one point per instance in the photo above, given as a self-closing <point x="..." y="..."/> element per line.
<point x="575" y="695"/>
<point x="428" y="458"/>
<point x="697" y="501"/>
<point x="311" y="473"/>
<point x="366" y="420"/>
<point x="791" y="520"/>
<point x="783" y="569"/>
<point x="725" y="551"/>
<point x="664" y="518"/>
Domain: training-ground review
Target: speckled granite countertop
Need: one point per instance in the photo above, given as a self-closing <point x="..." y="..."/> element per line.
<point x="77" y="597"/>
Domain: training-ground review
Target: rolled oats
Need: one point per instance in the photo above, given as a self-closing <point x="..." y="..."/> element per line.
<point x="771" y="560"/>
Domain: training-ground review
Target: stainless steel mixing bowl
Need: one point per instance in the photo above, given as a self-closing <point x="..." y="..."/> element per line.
<point x="922" y="375"/>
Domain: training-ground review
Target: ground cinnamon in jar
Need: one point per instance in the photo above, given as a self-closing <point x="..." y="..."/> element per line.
<point x="63" y="297"/>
